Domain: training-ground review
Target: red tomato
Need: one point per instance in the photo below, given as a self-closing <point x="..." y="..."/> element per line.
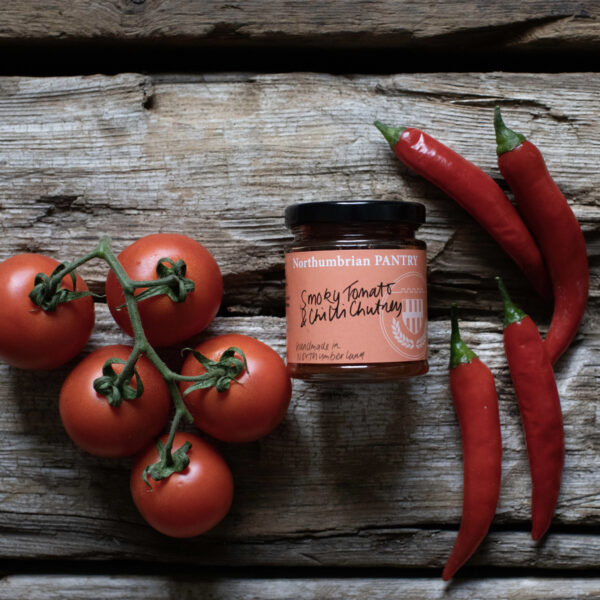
<point x="113" y="431"/>
<point x="187" y="503"/>
<point x="166" y="322"/>
<point x="255" y="402"/>
<point x="31" y="338"/>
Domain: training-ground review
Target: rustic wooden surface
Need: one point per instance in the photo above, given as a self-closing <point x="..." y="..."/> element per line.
<point x="368" y="477"/>
<point x="511" y="24"/>
<point x="188" y="588"/>
<point x="220" y="156"/>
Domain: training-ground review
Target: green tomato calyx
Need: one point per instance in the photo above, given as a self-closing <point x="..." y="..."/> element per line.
<point x="221" y="373"/>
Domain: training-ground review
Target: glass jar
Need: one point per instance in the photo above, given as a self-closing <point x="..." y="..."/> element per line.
<point x="356" y="291"/>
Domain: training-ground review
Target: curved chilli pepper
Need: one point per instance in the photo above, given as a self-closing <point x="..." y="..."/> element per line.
<point x="539" y="404"/>
<point x="555" y="228"/>
<point x="476" y="192"/>
<point x="476" y="403"/>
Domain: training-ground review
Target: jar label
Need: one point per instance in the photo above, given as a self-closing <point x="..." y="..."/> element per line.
<point x="356" y="306"/>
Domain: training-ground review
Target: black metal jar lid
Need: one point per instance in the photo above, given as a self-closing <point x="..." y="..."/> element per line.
<point x="354" y="211"/>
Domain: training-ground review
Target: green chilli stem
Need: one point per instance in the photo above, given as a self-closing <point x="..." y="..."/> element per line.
<point x="460" y="353"/>
<point x="506" y="139"/>
<point x="512" y="313"/>
<point x="391" y="134"/>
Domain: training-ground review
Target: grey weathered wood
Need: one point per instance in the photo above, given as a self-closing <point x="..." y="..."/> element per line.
<point x="219" y="157"/>
<point x="352" y="477"/>
<point x="407" y="24"/>
<point x="61" y="587"/>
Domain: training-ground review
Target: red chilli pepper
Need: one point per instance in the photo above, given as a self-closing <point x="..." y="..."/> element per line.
<point x="555" y="228"/>
<point x="476" y="403"/>
<point x="539" y="404"/>
<point x="476" y="192"/>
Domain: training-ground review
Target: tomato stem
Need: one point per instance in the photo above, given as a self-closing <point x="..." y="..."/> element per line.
<point x="180" y="412"/>
<point x="48" y="292"/>
<point x="176" y="287"/>
<point x="154" y="282"/>
<point x="127" y="372"/>
<point x="170" y="462"/>
<point x="115" y="388"/>
<point x="219" y="373"/>
<point x="56" y="278"/>
<point x="142" y="346"/>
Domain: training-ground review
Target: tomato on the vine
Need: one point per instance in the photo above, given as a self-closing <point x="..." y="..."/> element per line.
<point x="167" y="322"/>
<point x="113" y="431"/>
<point x="31" y="338"/>
<point x="189" y="502"/>
<point x="257" y="399"/>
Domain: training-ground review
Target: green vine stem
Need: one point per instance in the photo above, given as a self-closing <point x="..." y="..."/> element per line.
<point x="169" y="462"/>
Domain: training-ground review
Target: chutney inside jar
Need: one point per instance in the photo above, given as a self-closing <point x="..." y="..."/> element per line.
<point x="356" y="291"/>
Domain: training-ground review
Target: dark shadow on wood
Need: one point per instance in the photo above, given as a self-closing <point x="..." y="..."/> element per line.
<point x="107" y="57"/>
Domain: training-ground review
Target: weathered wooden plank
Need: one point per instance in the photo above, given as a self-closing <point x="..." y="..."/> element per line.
<point x="50" y="587"/>
<point x="401" y="548"/>
<point x="352" y="477"/>
<point x="355" y="477"/>
<point x="407" y="24"/>
<point x="219" y="157"/>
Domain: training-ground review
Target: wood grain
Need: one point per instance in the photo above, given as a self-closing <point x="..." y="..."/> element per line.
<point x="353" y="477"/>
<point x="51" y="587"/>
<point x="220" y="156"/>
<point x="469" y="25"/>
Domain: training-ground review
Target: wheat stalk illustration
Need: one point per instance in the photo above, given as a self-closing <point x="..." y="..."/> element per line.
<point x="400" y="337"/>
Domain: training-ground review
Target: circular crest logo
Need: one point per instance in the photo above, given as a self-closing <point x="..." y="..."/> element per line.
<point x="406" y="332"/>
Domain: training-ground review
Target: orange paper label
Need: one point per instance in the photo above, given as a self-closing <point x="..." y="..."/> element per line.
<point x="356" y="306"/>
